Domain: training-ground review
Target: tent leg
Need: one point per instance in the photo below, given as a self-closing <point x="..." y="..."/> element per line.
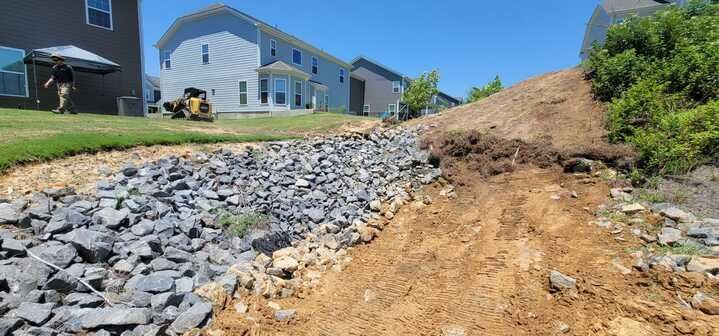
<point x="34" y="75"/>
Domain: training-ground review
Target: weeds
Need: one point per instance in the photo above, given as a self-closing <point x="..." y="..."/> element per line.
<point x="678" y="196"/>
<point x="651" y="196"/>
<point x="238" y="225"/>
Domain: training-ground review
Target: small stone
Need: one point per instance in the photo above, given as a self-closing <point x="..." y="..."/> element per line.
<point x="286" y="264"/>
<point x="705" y="304"/>
<point x="704" y="265"/>
<point x="153" y="283"/>
<point x="561" y="282"/>
<point x="669" y="236"/>
<point x="375" y="205"/>
<point x="110" y="217"/>
<point x="35" y="313"/>
<point x="9" y="214"/>
<point x="191" y="318"/>
<point x="109" y="317"/>
<point x="241" y="308"/>
<point x="678" y="215"/>
<point x="633" y="208"/>
<point x="302" y="183"/>
<point x="8" y="325"/>
<point x="285" y="315"/>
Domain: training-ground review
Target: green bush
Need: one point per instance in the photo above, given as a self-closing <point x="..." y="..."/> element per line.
<point x="479" y="93"/>
<point x="238" y="225"/>
<point x="660" y="75"/>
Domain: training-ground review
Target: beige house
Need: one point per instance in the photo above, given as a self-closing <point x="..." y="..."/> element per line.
<point x="610" y="12"/>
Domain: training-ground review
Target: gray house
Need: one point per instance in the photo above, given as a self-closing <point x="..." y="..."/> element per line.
<point x="377" y="90"/>
<point x="105" y="28"/>
<point x="248" y="67"/>
<point x="611" y="12"/>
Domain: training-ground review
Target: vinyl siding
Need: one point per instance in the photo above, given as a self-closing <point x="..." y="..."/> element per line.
<point x="63" y="22"/>
<point x="233" y="58"/>
<point x="356" y="96"/>
<point x="328" y="71"/>
<point x="378" y="86"/>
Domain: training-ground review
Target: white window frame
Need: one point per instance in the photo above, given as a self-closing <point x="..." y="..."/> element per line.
<point x="267" y="91"/>
<point x="87" y="14"/>
<point x="293" y="56"/>
<point x="396" y="86"/>
<point x="367" y="108"/>
<point x="166" y="57"/>
<point x="284" y="90"/>
<point x="27" y="94"/>
<point x="245" y="93"/>
<point x="389" y="110"/>
<point x="315" y="66"/>
<point x="202" y="53"/>
<point x="294" y="96"/>
<point x="342" y="76"/>
<point x="273" y="48"/>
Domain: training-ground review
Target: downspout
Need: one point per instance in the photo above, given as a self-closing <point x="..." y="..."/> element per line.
<point x="143" y="103"/>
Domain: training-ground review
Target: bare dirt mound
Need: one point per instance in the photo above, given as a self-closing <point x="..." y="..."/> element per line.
<point x="558" y="105"/>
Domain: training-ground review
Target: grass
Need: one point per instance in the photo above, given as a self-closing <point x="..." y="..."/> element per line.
<point x="237" y="225"/>
<point x="31" y="136"/>
<point x="651" y="196"/>
<point x="688" y="250"/>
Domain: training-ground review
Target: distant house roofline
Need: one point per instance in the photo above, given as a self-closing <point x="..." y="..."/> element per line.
<point x="218" y="8"/>
<point x="379" y="65"/>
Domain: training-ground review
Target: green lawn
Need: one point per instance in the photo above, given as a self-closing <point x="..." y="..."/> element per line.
<point x="29" y="136"/>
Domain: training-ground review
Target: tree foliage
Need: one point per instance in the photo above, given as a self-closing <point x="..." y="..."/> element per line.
<point x="660" y="77"/>
<point x="489" y="89"/>
<point x="420" y="92"/>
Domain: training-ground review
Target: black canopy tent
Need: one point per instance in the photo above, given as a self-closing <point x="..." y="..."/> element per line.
<point x="79" y="59"/>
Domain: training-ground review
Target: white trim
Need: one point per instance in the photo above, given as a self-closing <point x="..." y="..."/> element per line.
<point x="275" y="91"/>
<point x="87" y="15"/>
<point x="390" y="110"/>
<point x="259" y="48"/>
<point x="313" y="66"/>
<point x="293" y="56"/>
<point x="294" y="94"/>
<point x="273" y="48"/>
<point x="27" y="89"/>
<point x="202" y="53"/>
<point x="246" y="93"/>
<point x="269" y="92"/>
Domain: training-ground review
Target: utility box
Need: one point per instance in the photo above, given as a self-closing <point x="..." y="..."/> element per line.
<point x="130" y="107"/>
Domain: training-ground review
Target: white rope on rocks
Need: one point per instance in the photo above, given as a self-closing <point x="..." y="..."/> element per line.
<point x="74" y="277"/>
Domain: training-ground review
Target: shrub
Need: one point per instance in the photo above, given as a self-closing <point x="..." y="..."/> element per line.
<point x="477" y="93"/>
<point x="661" y="77"/>
<point x="238" y="225"/>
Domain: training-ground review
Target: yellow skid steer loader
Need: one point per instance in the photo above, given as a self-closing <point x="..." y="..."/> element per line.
<point x="193" y="105"/>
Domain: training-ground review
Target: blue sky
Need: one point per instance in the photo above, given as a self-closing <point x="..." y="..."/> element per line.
<point x="468" y="41"/>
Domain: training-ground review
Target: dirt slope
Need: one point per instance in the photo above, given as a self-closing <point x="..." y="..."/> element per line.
<point x="557" y="104"/>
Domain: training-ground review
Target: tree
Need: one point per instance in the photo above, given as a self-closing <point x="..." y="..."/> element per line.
<point x="491" y="88"/>
<point x="420" y="92"/>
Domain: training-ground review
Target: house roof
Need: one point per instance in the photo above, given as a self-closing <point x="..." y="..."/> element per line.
<point x="379" y="65"/>
<point x="218" y="8"/>
<point x="613" y="6"/>
<point x="284" y="68"/>
<point x="450" y="98"/>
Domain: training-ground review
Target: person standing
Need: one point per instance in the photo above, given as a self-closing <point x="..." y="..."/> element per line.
<point x="62" y="75"/>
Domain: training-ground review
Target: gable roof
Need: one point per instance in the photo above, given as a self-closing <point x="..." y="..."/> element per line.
<point x="613" y="6"/>
<point x="450" y="98"/>
<point x="282" y="67"/>
<point x="388" y="69"/>
<point x="219" y="8"/>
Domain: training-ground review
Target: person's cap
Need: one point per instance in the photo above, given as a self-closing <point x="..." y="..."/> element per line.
<point x="57" y="56"/>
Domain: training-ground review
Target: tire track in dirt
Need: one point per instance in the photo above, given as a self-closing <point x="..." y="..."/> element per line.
<point x="429" y="274"/>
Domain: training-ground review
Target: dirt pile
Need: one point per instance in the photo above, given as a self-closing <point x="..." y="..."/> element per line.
<point x="558" y="105"/>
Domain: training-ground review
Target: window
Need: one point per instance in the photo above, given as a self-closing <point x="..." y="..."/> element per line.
<point x="243" y="93"/>
<point x="166" y="60"/>
<point x="296" y="57"/>
<point x="396" y="86"/>
<point x="99" y="13"/>
<point x="280" y="91"/>
<point x="213" y="92"/>
<point x="264" y="91"/>
<point x="342" y="75"/>
<point x="392" y="109"/>
<point x="298" y="93"/>
<point x="273" y="48"/>
<point x="13" y="73"/>
<point x="366" y="109"/>
<point x="315" y="65"/>
<point x="205" y="54"/>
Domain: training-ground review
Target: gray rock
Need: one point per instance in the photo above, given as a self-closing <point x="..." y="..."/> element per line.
<point x="92" y="246"/>
<point x="678" y="215"/>
<point x="285" y="315"/>
<point x="162" y="264"/>
<point x="8" y="325"/>
<point x="83" y="300"/>
<point x="161" y="301"/>
<point x="191" y="318"/>
<point x="143" y="228"/>
<point x="561" y="282"/>
<point x="177" y="255"/>
<point x="58" y="254"/>
<point x="9" y="214"/>
<point x="35" y="313"/>
<point x="669" y="236"/>
<point x="152" y="283"/>
<point x="111" y="218"/>
<point x="13" y="248"/>
<point x="110" y="317"/>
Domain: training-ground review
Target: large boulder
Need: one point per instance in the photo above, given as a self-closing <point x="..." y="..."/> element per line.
<point x="92" y="246"/>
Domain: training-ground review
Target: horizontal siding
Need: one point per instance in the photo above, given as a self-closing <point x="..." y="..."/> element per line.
<point x="233" y="58"/>
<point x="378" y="90"/>
<point x="328" y="71"/>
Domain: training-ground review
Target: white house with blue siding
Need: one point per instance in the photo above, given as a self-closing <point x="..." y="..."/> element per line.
<point x="248" y="67"/>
